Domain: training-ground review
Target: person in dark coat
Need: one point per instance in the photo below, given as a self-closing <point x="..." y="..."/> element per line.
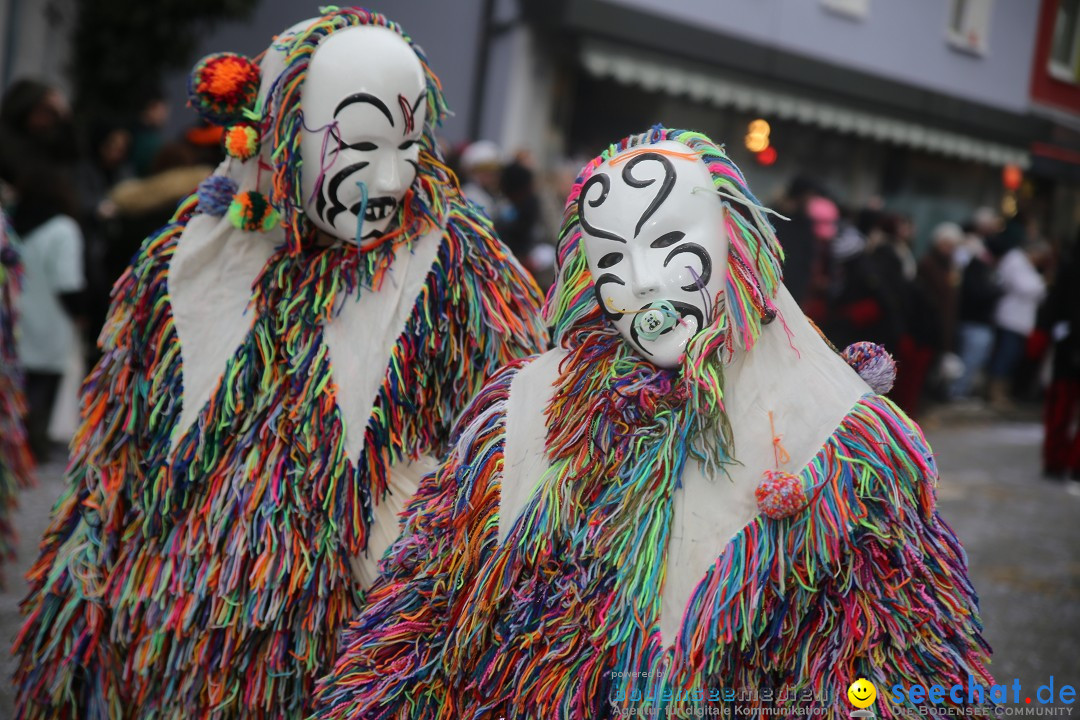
<point x="1061" y="445"/>
<point x="860" y="308"/>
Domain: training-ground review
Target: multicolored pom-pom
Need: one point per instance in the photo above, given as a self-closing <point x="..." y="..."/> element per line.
<point x="222" y="86"/>
<point x="242" y="141"/>
<point x="215" y="194"/>
<point x="780" y="494"/>
<point x="251" y="211"/>
<point x="873" y="363"/>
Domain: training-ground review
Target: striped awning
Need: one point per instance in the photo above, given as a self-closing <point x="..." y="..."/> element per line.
<point x="658" y="74"/>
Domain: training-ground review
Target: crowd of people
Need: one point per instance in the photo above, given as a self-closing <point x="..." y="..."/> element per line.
<point x="970" y="321"/>
<point x="978" y="319"/>
<point x="81" y="200"/>
<point x="524" y="206"/>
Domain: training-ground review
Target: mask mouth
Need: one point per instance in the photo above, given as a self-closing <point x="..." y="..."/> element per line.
<point x="377" y="209"/>
<point x="655" y="319"/>
<point x="672" y="312"/>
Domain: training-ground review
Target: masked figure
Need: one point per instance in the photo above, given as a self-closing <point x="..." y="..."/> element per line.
<point x="16" y="465"/>
<point x="691" y="502"/>
<point x="280" y="364"/>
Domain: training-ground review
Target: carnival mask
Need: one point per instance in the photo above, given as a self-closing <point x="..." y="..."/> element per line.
<point x="364" y="108"/>
<point x="654" y="237"/>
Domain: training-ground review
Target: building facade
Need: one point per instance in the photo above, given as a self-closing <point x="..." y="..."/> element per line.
<point x="921" y="103"/>
<point x="1055" y="97"/>
<point x="35" y="40"/>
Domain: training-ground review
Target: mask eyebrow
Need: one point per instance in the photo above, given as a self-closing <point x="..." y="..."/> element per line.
<point x="408" y="112"/>
<point x="363" y="97"/>
<point x="605" y="187"/>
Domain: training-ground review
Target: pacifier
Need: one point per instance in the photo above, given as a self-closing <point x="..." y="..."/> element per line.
<point x="655" y="319"/>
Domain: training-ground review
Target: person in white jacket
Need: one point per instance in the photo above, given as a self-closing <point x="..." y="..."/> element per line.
<point x="1014" y="317"/>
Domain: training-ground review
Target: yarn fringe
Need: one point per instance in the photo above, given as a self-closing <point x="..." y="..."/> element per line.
<point x="868" y="582"/>
<point x="391" y="651"/>
<point x="212" y="580"/>
<point x="16" y="462"/>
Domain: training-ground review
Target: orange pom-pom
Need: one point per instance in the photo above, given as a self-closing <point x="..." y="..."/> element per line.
<point x="222" y="86"/>
<point x="242" y="141"/>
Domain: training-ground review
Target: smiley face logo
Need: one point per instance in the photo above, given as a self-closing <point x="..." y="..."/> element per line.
<point x="862" y="693"/>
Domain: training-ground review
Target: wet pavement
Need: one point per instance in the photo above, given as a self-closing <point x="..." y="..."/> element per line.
<point x="1022" y="536"/>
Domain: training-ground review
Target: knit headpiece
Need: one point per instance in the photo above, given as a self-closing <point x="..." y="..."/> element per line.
<point x="754" y="255"/>
<point x="753" y="276"/>
<point x="284" y="120"/>
<point x="259" y="186"/>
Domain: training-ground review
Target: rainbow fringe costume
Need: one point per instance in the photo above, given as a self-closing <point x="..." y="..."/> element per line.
<point x="554" y="606"/>
<point x="559" y="620"/>
<point x="210" y="579"/>
<point x="16" y="464"/>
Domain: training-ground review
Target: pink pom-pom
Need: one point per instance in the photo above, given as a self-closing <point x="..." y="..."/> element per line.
<point x="780" y="494"/>
<point x="873" y="363"/>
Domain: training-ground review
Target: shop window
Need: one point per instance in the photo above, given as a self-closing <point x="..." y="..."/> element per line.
<point x="969" y="25"/>
<point x="855" y="9"/>
<point x="1064" y="63"/>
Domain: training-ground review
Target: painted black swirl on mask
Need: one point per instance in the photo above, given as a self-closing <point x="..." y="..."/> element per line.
<point x="604" y="182"/>
<point x="605" y="279"/>
<point x="666" y="185"/>
<point x="332" y="193"/>
<point x="701" y="254"/>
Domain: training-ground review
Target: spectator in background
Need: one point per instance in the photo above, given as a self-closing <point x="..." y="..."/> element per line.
<point x="824" y="224"/>
<point x="919" y="340"/>
<point x="147" y="135"/>
<point x="1061" y="444"/>
<point x="860" y="309"/>
<point x="797" y="236"/>
<point x="481" y="166"/>
<point x="35" y="128"/>
<point x="206" y="142"/>
<point x="979" y="293"/>
<point x="940" y="279"/>
<point x="49" y="308"/>
<point x="145" y="204"/>
<point x="888" y="261"/>
<point x="104" y="165"/>
<point x="984" y="227"/>
<point x="518" y="220"/>
<point x="1014" y="317"/>
<point x="553" y="189"/>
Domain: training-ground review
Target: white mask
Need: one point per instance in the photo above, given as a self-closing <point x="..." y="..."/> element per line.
<point x="654" y="237"/>
<point x="364" y="107"/>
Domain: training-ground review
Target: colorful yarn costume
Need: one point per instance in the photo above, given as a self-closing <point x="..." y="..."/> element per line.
<point x="16" y="463"/>
<point x="264" y="406"/>
<point x="592" y="542"/>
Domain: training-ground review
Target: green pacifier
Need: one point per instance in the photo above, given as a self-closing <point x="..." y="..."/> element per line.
<point x="655" y="319"/>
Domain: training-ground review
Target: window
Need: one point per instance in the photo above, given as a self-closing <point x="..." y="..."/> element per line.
<point x="854" y="9"/>
<point x="969" y="25"/>
<point x="1064" y="63"/>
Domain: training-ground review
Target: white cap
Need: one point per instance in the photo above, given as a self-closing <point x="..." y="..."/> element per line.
<point x="948" y="232"/>
<point x="481" y="153"/>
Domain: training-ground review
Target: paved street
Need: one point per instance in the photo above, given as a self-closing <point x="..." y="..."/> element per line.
<point x="1022" y="535"/>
